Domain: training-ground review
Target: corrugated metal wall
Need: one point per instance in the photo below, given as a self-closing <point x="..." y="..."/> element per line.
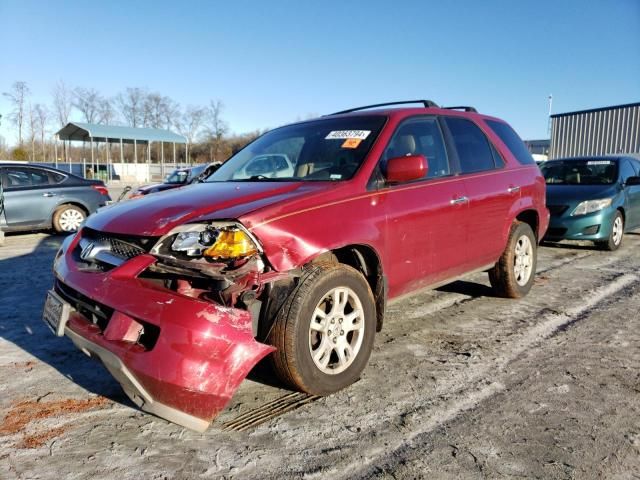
<point x="596" y="132"/>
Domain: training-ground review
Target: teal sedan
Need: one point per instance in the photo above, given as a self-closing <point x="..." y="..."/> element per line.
<point x="593" y="198"/>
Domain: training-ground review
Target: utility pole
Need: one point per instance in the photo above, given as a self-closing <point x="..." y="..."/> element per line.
<point x="549" y="119"/>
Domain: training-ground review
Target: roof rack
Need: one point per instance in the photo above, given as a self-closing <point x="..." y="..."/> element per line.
<point x="466" y="109"/>
<point x="426" y="103"/>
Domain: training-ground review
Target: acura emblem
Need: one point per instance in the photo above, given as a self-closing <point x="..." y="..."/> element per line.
<point x="86" y="251"/>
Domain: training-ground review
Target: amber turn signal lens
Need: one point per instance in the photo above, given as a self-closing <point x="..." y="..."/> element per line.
<point x="231" y="244"/>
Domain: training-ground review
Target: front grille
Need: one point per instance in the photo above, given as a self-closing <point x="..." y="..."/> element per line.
<point x="107" y="250"/>
<point x="557" y="210"/>
<point x="122" y="248"/>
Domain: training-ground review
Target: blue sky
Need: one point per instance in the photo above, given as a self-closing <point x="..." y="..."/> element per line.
<point x="273" y="62"/>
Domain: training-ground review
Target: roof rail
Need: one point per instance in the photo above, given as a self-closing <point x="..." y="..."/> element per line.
<point x="466" y="109"/>
<point x="426" y="103"/>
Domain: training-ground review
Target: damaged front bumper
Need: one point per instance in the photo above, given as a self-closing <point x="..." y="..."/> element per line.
<point x="176" y="356"/>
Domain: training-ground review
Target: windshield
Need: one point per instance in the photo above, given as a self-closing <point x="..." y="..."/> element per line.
<point x="179" y="176"/>
<point x="321" y="150"/>
<point x="580" y="172"/>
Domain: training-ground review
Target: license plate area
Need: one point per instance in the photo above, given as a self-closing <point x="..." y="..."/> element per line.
<point x="56" y="313"/>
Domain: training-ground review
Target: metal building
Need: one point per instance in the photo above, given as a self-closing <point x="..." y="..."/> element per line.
<point x="598" y="131"/>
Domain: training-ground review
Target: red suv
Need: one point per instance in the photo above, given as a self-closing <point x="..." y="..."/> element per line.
<point x="181" y="293"/>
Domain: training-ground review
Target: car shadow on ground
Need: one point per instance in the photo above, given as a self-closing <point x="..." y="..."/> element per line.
<point x="24" y="281"/>
<point x="470" y="289"/>
<point x="570" y="246"/>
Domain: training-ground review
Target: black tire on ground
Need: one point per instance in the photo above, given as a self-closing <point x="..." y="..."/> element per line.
<point x="503" y="276"/>
<point x="615" y="238"/>
<point x="63" y="213"/>
<point x="291" y="335"/>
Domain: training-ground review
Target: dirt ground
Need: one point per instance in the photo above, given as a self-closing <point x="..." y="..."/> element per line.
<point x="460" y="385"/>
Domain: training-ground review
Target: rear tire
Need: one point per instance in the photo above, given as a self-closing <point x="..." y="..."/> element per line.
<point x="615" y="235"/>
<point x="68" y="218"/>
<point x="324" y="332"/>
<point x="512" y="276"/>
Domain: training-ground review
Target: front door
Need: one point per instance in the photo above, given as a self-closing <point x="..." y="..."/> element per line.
<point x="426" y="233"/>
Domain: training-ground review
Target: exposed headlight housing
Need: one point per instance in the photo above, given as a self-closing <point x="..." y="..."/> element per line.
<point x="215" y="241"/>
<point x="590" y="206"/>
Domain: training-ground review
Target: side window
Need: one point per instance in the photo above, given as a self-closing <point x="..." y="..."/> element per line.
<point x="474" y="150"/>
<point x="513" y="142"/>
<point x="39" y="177"/>
<point x="17" y="177"/>
<point x="626" y="170"/>
<point x="420" y="136"/>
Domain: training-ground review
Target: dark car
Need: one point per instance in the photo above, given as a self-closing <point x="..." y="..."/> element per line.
<point x="37" y="198"/>
<point x="593" y="198"/>
<point x="178" y="178"/>
<point x="181" y="294"/>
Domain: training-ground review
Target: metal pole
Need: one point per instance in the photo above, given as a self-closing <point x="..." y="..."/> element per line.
<point x="148" y="161"/>
<point x="93" y="166"/>
<point x="174" y="153"/>
<point x="549" y="118"/>
<point x="162" y="159"/>
<point x="55" y="149"/>
<point x="121" y="157"/>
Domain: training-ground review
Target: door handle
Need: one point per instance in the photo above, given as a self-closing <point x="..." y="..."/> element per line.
<point x="49" y="194"/>
<point x="459" y="200"/>
<point x="513" y="189"/>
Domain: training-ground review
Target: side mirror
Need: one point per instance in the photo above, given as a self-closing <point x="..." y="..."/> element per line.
<point x="407" y="168"/>
<point x="631" y="181"/>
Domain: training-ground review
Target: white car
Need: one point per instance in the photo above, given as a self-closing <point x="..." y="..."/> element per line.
<point x="266" y="165"/>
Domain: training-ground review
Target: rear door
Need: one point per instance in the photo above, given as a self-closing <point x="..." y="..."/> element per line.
<point x="30" y="195"/>
<point x="490" y="191"/>
<point x="425" y="234"/>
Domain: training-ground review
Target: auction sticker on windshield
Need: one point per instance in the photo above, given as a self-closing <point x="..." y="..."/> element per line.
<point x="344" y="134"/>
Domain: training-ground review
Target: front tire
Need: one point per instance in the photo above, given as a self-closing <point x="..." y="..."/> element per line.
<point x="512" y="276"/>
<point x="325" y="331"/>
<point x="68" y="218"/>
<point x="615" y="235"/>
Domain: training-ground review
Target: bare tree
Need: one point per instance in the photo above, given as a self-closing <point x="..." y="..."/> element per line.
<point x="62" y="103"/>
<point x="216" y="128"/>
<point x="33" y="131"/>
<point x="88" y="102"/>
<point x="190" y="124"/>
<point x="159" y="111"/>
<point x="42" y="117"/>
<point x="106" y="111"/>
<point x="17" y="96"/>
<point x="130" y="103"/>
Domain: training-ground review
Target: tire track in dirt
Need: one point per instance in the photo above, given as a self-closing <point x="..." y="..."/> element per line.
<point x="483" y="384"/>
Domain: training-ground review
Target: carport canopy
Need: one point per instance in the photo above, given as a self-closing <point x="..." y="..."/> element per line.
<point x="109" y="134"/>
<point x="85" y="132"/>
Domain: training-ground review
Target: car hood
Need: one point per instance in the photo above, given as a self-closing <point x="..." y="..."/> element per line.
<point x="571" y="194"/>
<point x="157" y="214"/>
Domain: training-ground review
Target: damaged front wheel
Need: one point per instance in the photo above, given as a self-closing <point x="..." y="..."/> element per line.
<point x="324" y="333"/>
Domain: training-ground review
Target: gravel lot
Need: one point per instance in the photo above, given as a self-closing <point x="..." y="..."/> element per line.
<point x="460" y="385"/>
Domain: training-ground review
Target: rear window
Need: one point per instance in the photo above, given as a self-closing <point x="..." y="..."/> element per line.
<point x="513" y="142"/>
